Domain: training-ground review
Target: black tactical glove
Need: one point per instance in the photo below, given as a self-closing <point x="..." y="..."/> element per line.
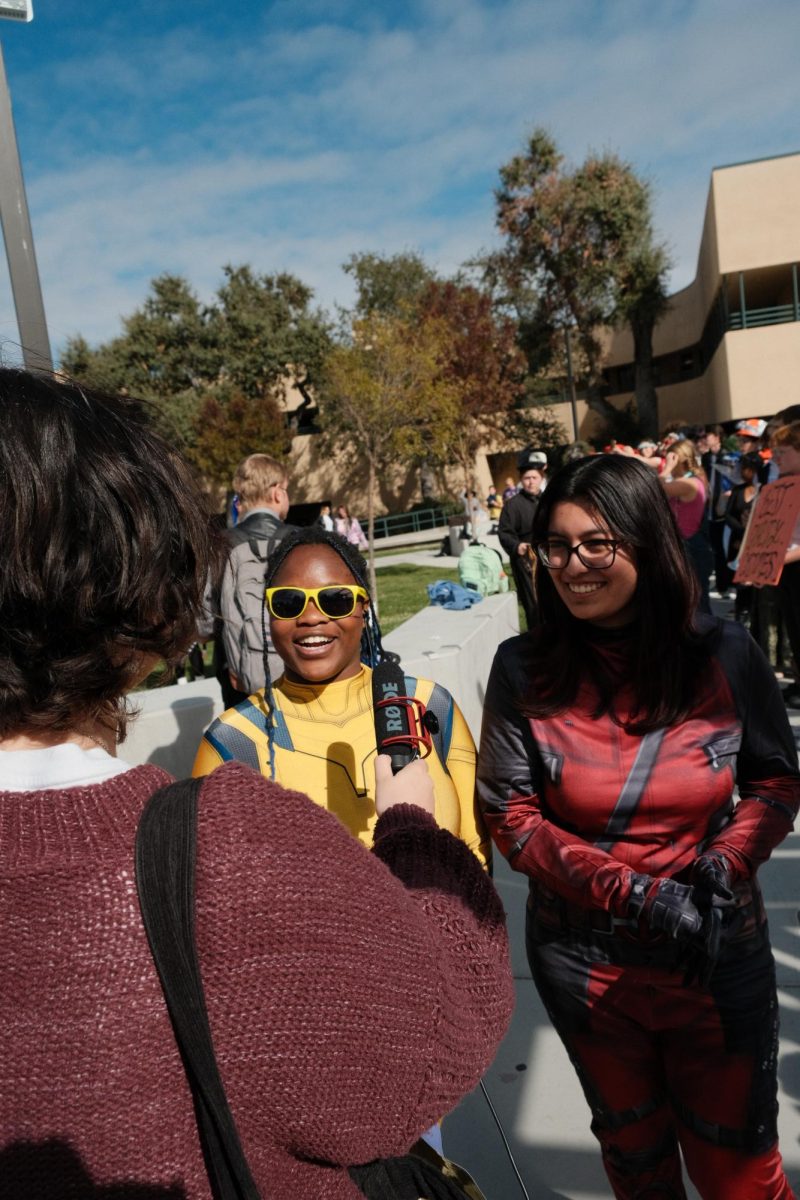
<point x="711" y="873"/>
<point x="711" y="879"/>
<point x="666" y="906"/>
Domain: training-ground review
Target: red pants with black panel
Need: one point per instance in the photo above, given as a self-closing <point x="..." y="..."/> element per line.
<point x="664" y="1065"/>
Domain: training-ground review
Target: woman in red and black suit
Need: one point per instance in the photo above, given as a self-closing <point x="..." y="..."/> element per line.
<point x="613" y="738"/>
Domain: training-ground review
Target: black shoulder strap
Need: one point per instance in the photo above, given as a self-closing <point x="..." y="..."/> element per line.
<point x="256" y="552"/>
<point x="166" y="843"/>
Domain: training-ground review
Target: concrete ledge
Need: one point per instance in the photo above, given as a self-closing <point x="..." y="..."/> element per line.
<point x="452" y="648"/>
<point x="456" y="648"/>
<point x="434" y="534"/>
<point x="170" y="724"/>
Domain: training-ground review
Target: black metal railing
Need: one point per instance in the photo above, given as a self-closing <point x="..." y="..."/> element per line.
<point x="778" y="314"/>
<point x="410" y="522"/>
<point x="690" y="362"/>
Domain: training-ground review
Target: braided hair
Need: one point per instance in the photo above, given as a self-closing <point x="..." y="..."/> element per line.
<point x="372" y="649"/>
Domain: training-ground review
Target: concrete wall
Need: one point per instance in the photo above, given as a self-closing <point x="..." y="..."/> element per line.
<point x="170" y="724"/>
<point x="763" y="368"/>
<point x="756" y="213"/>
<point x="456" y="648"/>
<point x="750" y="222"/>
<point x="453" y="648"/>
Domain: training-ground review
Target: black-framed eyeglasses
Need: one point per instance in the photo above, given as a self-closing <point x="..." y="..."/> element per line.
<point x="599" y="553"/>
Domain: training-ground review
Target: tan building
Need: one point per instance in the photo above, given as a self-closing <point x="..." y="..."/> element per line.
<point x="729" y="347"/>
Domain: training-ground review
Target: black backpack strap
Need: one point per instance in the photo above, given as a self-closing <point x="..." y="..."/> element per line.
<point x="166" y="845"/>
<point x="256" y="552"/>
<point x="271" y="543"/>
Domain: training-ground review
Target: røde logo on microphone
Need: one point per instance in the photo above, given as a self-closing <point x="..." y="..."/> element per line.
<point x="393" y="715"/>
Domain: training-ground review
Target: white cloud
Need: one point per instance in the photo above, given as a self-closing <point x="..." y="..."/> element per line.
<point x="311" y="141"/>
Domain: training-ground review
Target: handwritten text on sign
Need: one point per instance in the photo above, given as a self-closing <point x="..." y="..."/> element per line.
<point x="769" y="532"/>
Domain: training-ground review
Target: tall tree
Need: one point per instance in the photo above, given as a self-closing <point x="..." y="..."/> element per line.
<point x="262" y="324"/>
<point x="164" y="354"/>
<point x="267" y="337"/>
<point x="392" y="285"/>
<point x="385" y="399"/>
<point x="388" y="284"/>
<point x="217" y="372"/>
<point x="580" y="251"/>
<point x="231" y="425"/>
<point x="481" y="362"/>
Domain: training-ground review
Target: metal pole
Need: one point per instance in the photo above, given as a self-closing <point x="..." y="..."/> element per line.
<point x="18" y="237"/>
<point x="571" y="380"/>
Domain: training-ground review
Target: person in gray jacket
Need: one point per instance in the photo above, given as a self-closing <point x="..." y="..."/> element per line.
<point x="261" y="484"/>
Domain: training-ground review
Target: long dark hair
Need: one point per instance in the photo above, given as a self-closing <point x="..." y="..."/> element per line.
<point x="372" y="651"/>
<point x="665" y="652"/>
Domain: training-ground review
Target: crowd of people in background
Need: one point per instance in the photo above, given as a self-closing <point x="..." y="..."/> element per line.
<point x="342" y="523"/>
<point x="711" y="478"/>
<point x="728" y="470"/>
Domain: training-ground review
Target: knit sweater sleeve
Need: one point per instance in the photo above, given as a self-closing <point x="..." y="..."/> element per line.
<point x="354" y="998"/>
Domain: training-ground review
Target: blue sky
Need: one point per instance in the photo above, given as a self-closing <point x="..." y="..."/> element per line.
<point x="184" y="134"/>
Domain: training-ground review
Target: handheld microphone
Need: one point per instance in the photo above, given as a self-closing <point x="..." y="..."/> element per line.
<point x="400" y="729"/>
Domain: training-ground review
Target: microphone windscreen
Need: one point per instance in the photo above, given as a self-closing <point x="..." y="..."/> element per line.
<point x="392" y="720"/>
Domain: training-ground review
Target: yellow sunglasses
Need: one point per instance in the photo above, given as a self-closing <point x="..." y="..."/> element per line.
<point x="337" y="600"/>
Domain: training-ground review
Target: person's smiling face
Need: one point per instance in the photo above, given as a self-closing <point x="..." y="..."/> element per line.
<point x="606" y="597"/>
<point x="316" y="648"/>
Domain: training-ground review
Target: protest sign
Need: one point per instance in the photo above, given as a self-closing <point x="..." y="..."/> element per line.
<point x="769" y="532"/>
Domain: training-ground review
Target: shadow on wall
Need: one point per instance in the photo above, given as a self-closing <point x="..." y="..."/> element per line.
<point x="53" y="1170"/>
<point x="192" y="717"/>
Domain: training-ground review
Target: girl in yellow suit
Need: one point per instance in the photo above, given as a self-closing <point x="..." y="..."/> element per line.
<point x="313" y="728"/>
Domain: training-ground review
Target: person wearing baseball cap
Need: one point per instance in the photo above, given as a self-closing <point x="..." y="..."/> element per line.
<point x="531" y="458"/>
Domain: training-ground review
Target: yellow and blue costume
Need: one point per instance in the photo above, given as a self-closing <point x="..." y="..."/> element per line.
<point x="324" y="745"/>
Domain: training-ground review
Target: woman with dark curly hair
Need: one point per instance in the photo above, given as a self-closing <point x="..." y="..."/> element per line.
<point x="320" y="987"/>
<point x="614" y="736"/>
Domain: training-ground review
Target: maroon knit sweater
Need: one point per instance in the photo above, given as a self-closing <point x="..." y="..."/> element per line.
<point x="353" y="997"/>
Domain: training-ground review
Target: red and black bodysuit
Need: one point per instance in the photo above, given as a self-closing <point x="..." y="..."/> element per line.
<point x="583" y="807"/>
